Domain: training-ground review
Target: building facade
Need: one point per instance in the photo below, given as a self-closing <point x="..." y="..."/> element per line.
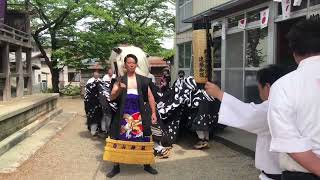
<point x="183" y="38"/>
<point x="15" y="75"/>
<point x="186" y="9"/>
<point x="237" y="52"/>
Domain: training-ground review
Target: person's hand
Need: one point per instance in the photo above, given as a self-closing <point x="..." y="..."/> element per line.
<point x="154" y="118"/>
<point x="122" y="86"/>
<point x="214" y="90"/>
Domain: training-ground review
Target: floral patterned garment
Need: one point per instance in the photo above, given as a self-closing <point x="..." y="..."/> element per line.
<point x="131" y="124"/>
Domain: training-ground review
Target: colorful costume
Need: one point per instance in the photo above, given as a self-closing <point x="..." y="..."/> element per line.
<point x="130" y="131"/>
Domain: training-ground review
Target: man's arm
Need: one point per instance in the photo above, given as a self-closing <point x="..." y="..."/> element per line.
<point x="152" y="104"/>
<point x="233" y="112"/>
<point x="151" y="101"/>
<point x="116" y="90"/>
<point x="309" y="160"/>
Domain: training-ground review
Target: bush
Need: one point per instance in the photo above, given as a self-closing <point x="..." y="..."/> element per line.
<point x="49" y="90"/>
<point x="71" y="90"/>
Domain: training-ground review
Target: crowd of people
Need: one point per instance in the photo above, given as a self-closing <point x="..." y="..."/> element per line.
<point x="132" y="108"/>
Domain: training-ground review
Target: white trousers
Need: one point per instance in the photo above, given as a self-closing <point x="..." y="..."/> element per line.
<point x="203" y="134"/>
<point x="93" y="129"/>
<point x="158" y="147"/>
<point x="104" y="123"/>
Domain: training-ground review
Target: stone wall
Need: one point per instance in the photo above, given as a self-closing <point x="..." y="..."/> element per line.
<point x="28" y="111"/>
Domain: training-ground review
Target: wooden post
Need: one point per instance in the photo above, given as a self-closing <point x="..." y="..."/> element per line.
<point x="29" y="71"/>
<point x="6" y="71"/>
<point x="19" y="63"/>
<point x="209" y="54"/>
<point x="28" y="24"/>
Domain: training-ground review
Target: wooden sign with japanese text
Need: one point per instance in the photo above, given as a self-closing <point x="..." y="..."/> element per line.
<point x="199" y="43"/>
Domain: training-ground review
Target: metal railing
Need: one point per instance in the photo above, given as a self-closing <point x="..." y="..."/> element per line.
<point x="12" y="33"/>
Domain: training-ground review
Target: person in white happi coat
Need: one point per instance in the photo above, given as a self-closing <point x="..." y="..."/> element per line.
<point x="253" y="118"/>
<point x="109" y="76"/>
<point x="294" y="106"/>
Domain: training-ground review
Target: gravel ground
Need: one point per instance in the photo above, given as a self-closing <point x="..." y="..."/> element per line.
<point x="74" y="155"/>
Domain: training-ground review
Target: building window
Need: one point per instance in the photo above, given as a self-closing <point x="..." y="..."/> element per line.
<point x="247" y="52"/>
<point x="184" y="12"/>
<point x="185" y="55"/>
<point x="243" y="62"/>
<point x="234" y="65"/>
<point x="216" y="59"/>
<point x="251" y="92"/>
<point x="73" y="77"/>
<point x="39" y="78"/>
<point x="233" y="21"/>
<point x="253" y="16"/>
<point x="256" y="47"/>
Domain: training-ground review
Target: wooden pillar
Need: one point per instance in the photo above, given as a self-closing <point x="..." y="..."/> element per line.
<point x="6" y="71"/>
<point x="28" y="24"/>
<point x="19" y="64"/>
<point x="29" y="71"/>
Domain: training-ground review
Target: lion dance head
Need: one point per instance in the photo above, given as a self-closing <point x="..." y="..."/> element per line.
<point x="119" y="53"/>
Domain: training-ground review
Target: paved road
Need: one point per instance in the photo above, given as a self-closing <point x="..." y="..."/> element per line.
<point x="74" y="155"/>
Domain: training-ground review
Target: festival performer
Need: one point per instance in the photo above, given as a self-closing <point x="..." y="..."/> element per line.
<point x="131" y="122"/>
<point x="253" y="118"/>
<point x="92" y="103"/>
<point x="109" y="76"/>
<point x="294" y="106"/>
<point x="165" y="80"/>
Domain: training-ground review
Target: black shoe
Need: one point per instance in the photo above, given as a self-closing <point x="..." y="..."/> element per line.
<point x="150" y="170"/>
<point x="115" y="170"/>
<point x="202" y="144"/>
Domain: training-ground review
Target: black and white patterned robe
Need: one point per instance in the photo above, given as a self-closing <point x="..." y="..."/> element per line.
<point x="184" y="103"/>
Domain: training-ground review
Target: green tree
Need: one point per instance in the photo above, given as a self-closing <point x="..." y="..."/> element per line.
<point x="52" y="23"/>
<point x="80" y="29"/>
<point x="142" y="23"/>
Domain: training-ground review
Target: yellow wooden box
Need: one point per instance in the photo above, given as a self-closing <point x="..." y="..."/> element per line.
<point x="128" y="152"/>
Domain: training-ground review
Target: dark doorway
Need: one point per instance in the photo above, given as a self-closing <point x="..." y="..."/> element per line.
<point x="284" y="54"/>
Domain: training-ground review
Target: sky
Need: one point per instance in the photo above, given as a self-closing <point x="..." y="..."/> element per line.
<point x="168" y="43"/>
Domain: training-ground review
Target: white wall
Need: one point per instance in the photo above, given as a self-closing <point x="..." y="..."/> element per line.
<point x="47" y="76"/>
<point x="203" y="5"/>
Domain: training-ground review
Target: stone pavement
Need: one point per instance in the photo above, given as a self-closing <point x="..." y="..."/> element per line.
<point x="74" y="155"/>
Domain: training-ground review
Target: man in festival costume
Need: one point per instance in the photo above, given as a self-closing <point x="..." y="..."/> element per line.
<point x="109" y="76"/>
<point x="294" y="106"/>
<point x="186" y="105"/>
<point x="180" y="104"/>
<point x="92" y="103"/>
<point x="131" y="121"/>
<point x="165" y="80"/>
<point x="253" y="118"/>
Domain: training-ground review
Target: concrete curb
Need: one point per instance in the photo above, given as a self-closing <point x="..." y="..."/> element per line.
<point x="23" y="133"/>
<point x="238" y="140"/>
<point x="242" y="149"/>
<point x="46" y="98"/>
<point x="16" y="156"/>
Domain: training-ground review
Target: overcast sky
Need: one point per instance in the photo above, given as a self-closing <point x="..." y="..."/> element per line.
<point x="168" y="42"/>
